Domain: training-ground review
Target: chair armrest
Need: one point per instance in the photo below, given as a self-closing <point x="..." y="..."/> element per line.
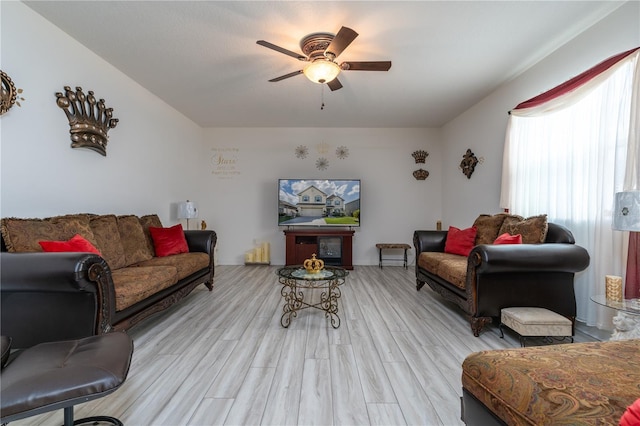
<point x="204" y="241"/>
<point x="429" y="241"/>
<point x="529" y="257"/>
<point x="201" y="240"/>
<point x="54" y="296"/>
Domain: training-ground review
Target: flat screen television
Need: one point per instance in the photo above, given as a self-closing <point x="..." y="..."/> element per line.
<point x="319" y="202"/>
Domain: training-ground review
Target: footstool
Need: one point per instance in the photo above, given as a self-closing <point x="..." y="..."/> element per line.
<point x="530" y="322"/>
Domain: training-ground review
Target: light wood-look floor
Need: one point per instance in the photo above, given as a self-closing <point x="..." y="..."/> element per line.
<point x="222" y="357"/>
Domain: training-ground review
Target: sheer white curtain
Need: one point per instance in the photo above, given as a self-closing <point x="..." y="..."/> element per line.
<point x="567" y="158"/>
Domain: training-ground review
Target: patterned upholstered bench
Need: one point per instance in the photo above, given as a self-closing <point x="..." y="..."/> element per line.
<point x="530" y="322"/>
<point x="588" y="383"/>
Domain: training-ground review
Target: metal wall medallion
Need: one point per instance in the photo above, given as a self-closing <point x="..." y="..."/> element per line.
<point x="89" y="119"/>
<point x="468" y="163"/>
<point x="9" y="95"/>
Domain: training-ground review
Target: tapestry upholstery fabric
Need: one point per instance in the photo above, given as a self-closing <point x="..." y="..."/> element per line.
<point x="105" y="230"/>
<point x="488" y="227"/>
<point x="531" y="321"/>
<point x="138" y="283"/>
<point x="451" y="267"/>
<point x="133" y="240"/>
<point x="23" y="235"/>
<point x="581" y="383"/>
<point x="185" y="263"/>
<point x="147" y="221"/>
<point x="533" y="229"/>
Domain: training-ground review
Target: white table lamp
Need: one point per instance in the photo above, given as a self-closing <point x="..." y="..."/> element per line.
<point x="626" y="215"/>
<point x="187" y="210"/>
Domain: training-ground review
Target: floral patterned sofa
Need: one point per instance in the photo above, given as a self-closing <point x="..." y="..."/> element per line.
<point x="570" y="384"/>
<point x="72" y="276"/>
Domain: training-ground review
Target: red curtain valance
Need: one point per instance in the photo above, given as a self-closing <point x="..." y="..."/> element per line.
<point x="575" y="82"/>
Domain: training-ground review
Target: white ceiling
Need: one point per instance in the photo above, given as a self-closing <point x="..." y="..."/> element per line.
<point x="201" y="57"/>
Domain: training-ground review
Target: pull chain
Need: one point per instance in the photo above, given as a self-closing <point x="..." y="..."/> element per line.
<point x="322" y="96"/>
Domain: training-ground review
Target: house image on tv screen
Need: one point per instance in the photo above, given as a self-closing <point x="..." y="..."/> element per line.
<point x="305" y="203"/>
<point x="312" y="202"/>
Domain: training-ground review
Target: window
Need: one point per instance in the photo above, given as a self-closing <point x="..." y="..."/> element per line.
<point x="566" y="155"/>
<point x="318" y="198"/>
<point x="305" y="198"/>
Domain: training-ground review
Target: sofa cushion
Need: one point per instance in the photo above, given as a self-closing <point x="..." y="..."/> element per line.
<point x="507" y="238"/>
<point x="135" y="283"/>
<point x="533" y="229"/>
<point x="23" y="235"/>
<point x="588" y="383"/>
<point x="185" y="263"/>
<point x="105" y="230"/>
<point x="147" y="221"/>
<point x="75" y="244"/>
<point x="460" y="241"/>
<point x="450" y="267"/>
<point x="488" y="227"/>
<point x="133" y="240"/>
<point x="168" y="241"/>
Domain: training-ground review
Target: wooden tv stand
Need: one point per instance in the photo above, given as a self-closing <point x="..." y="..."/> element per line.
<point x="333" y="246"/>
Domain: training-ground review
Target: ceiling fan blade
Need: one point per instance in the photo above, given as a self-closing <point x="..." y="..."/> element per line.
<point x="366" y="66"/>
<point x="341" y="40"/>
<point x="282" y="77"/>
<point x="298" y="56"/>
<point x="334" y="84"/>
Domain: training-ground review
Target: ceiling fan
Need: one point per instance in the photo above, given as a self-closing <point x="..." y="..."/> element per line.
<point x="321" y="51"/>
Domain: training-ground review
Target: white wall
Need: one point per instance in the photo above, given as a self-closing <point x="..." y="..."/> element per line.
<point x="152" y="156"/>
<point x="243" y="205"/>
<point x="156" y="157"/>
<point x="482" y="128"/>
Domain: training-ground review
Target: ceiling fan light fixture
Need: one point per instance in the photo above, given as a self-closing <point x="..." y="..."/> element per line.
<point x="322" y="71"/>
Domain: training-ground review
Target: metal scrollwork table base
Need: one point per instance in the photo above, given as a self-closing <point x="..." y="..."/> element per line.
<point x="295" y="279"/>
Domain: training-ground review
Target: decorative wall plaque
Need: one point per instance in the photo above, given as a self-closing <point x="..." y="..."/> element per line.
<point x="420" y="174"/>
<point x="468" y="163"/>
<point x="89" y="120"/>
<point x="420" y="156"/>
<point x="9" y="95"/>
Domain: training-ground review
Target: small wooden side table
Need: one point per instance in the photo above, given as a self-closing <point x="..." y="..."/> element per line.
<point x="390" y="246"/>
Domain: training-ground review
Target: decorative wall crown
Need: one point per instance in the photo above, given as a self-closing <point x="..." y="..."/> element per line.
<point x="420" y="155"/>
<point x="89" y="120"/>
<point x="420" y="174"/>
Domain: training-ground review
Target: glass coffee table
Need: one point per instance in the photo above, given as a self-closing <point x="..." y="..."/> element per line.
<point x="627" y="320"/>
<point x="295" y="279"/>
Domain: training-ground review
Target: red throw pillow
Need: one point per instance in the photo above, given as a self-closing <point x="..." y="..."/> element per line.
<point x="507" y="238"/>
<point x="631" y="416"/>
<point x="168" y="241"/>
<point x="460" y="241"/>
<point x="75" y="244"/>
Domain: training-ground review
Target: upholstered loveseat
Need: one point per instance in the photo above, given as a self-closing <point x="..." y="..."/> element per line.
<point x="78" y="275"/>
<point x="485" y="276"/>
